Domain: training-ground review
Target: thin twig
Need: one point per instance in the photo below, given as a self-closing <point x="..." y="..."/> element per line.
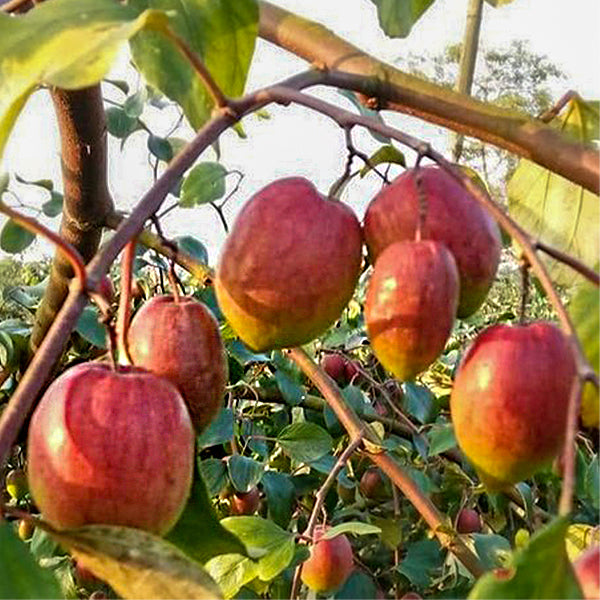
<point x="124" y="312"/>
<point x="572" y="262"/>
<point x="320" y="500"/>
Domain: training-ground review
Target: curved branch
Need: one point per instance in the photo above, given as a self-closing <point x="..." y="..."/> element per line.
<point x="82" y="127"/>
<point x="399" y="91"/>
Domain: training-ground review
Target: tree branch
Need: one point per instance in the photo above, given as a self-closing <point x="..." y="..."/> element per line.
<point x="396" y="90"/>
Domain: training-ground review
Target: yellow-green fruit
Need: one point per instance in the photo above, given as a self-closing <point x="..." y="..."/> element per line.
<point x="289" y="265"/>
<point x="411" y="305"/>
<point x="16" y="484"/>
<point x="510" y="399"/>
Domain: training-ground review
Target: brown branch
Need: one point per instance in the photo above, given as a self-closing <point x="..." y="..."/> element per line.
<point x="569" y="260"/>
<point x="124" y="312"/>
<point x="357" y="429"/>
<point x="82" y="127"/>
<point x="395" y="90"/>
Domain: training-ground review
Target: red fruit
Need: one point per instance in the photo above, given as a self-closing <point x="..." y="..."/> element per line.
<point x="411" y="596"/>
<point x="411" y="305"/>
<point x="180" y="340"/>
<point x="510" y="399"/>
<point x="335" y="366"/>
<point x="453" y="217"/>
<point x="84" y="576"/>
<point x="245" y="503"/>
<point x="352" y="371"/>
<point x="468" y="521"/>
<point x="289" y="265"/>
<point x="330" y="562"/>
<point x="113" y="447"/>
<point x="372" y="484"/>
<point x="106" y="288"/>
<point x="587" y="570"/>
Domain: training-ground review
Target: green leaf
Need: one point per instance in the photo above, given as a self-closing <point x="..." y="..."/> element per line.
<point x="160" y="147"/>
<point x="387" y="154"/>
<point x="4" y="182"/>
<point x="281" y="496"/>
<point x="419" y="402"/>
<point x="305" y="442"/>
<point x="244" y="472"/>
<point x="204" y="183"/>
<point x="53" y="207"/>
<point x="555" y="210"/>
<point x="89" y="327"/>
<point x="292" y="392"/>
<point x="541" y="570"/>
<point x="137" y="564"/>
<point x="498" y="3"/>
<point x="46" y="184"/>
<point x="358" y="586"/>
<point x="221" y="32"/>
<point x="363" y="110"/>
<point x="583" y="309"/>
<point x="397" y="17"/>
<point x="192" y="246"/>
<point x="421" y="560"/>
<point x="493" y="550"/>
<point x="214" y="474"/>
<point x="119" y="123"/>
<point x="68" y="44"/>
<point x="231" y="572"/>
<point x="592" y="479"/>
<point x="199" y="533"/>
<point x="134" y="104"/>
<point x="20" y="574"/>
<point x="220" y="430"/>
<point x="441" y="438"/>
<point x="14" y="239"/>
<point x="354" y="527"/>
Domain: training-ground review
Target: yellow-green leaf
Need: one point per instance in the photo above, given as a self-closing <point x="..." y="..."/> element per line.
<point x="70" y="44"/>
<point x="137" y="564"/>
<point x="552" y="208"/>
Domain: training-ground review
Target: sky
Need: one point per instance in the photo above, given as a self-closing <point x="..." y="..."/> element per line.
<point x="297" y="142"/>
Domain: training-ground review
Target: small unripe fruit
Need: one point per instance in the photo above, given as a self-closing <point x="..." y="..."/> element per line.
<point x="372" y="484"/>
<point x="16" y="484"/>
<point x="25" y="529"/>
<point x="330" y="562"/>
<point x="245" y="503"/>
<point x="587" y="570"/>
<point x="335" y="366"/>
<point x="345" y="494"/>
<point x="468" y="521"/>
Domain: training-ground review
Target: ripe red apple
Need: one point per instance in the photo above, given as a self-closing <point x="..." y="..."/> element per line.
<point x="587" y="571"/>
<point x="372" y="484"/>
<point x="468" y="521"/>
<point x="410" y="305"/>
<point x="245" y="503"/>
<point x="179" y="339"/>
<point x="289" y="265"/>
<point x="453" y="217"/>
<point x="335" y="366"/>
<point x="510" y="398"/>
<point x="352" y="371"/>
<point x="111" y="446"/>
<point x="330" y="562"/>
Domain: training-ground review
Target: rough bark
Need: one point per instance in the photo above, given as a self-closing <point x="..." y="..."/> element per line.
<point x="87" y="202"/>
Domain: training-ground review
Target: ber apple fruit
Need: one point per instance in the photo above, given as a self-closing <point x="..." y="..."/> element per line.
<point x="468" y="521"/>
<point x="587" y="571"/>
<point x="289" y="265"/>
<point x="335" y="366"/>
<point x="372" y="484"/>
<point x="245" y="503"/>
<point x="453" y="217"/>
<point x="110" y="447"/>
<point x="411" y="305"/>
<point x="179" y="339"/>
<point x="510" y="399"/>
<point x="330" y="562"/>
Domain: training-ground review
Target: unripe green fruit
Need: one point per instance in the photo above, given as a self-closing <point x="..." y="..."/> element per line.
<point x="16" y="484"/>
<point x="510" y="399"/>
<point x="179" y="339"/>
<point x="411" y="305"/>
<point x="330" y="562"/>
<point x="453" y="217"/>
<point x="289" y="265"/>
<point x="345" y="494"/>
<point x="110" y="447"/>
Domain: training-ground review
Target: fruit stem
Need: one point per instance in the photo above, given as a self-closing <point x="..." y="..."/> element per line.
<point x="33" y="226"/>
<point x="421" y="195"/>
<point x="124" y="312"/>
<point x="320" y="500"/>
<point x="524" y="289"/>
